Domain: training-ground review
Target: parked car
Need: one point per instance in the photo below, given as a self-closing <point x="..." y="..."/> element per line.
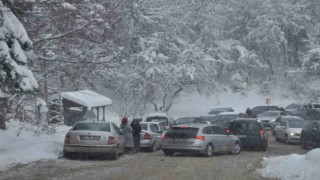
<point x="163" y="118"/>
<point x="306" y="110"/>
<point x="150" y="136"/>
<point x="250" y="131"/>
<point x="189" y="120"/>
<point x="224" y="118"/>
<point x="216" y="111"/>
<point x="276" y="124"/>
<point x="268" y="117"/>
<point x="310" y="135"/>
<point x="261" y="109"/>
<point x="289" y="129"/>
<point x="206" y="139"/>
<point x="94" y="137"/>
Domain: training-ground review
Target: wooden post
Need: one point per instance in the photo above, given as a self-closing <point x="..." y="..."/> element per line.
<point x="3" y="112"/>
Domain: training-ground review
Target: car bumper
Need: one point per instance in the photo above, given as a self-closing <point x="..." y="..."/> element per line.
<point x="295" y="139"/>
<point x="146" y="143"/>
<point x="254" y="142"/>
<point x="266" y="124"/>
<point x="176" y="148"/>
<point x="89" y="149"/>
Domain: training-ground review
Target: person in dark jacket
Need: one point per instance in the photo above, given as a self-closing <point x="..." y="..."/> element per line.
<point x="248" y="113"/>
<point x="136" y="129"/>
<point x="127" y="134"/>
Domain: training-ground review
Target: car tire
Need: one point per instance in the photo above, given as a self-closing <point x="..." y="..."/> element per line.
<point x="67" y="155"/>
<point x="114" y="155"/>
<point x="237" y="148"/>
<point x="168" y="152"/>
<point x="303" y="143"/>
<point x="209" y="150"/>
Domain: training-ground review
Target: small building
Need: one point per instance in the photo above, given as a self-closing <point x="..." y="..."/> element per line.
<point x="80" y="105"/>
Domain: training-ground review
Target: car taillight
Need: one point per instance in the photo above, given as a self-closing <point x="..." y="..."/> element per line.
<point x="67" y="139"/>
<point x="262" y="133"/>
<point x="163" y="136"/>
<point x="201" y="138"/>
<point x="146" y="136"/>
<point x="228" y="131"/>
<point x="112" y="140"/>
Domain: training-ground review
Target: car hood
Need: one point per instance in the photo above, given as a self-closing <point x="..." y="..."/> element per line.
<point x="295" y="130"/>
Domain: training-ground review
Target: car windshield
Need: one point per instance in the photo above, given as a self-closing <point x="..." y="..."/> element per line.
<point x="92" y="127"/>
<point x="293" y="106"/>
<point x="185" y="120"/>
<point x="270" y="114"/>
<point x="182" y="132"/>
<point x="225" y="117"/>
<point x="161" y="120"/>
<point x="296" y="124"/>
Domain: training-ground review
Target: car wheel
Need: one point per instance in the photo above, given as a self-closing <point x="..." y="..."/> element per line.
<point x="168" y="152"/>
<point x="209" y="150"/>
<point x="236" y="148"/>
<point x="303" y="143"/>
<point x="67" y="155"/>
<point x="122" y="151"/>
<point x="114" y="155"/>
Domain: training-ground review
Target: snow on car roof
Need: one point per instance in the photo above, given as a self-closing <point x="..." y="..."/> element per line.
<point x="87" y="98"/>
<point x="229" y="113"/>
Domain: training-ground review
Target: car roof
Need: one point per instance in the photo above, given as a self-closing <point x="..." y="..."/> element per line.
<point x="195" y="125"/>
<point x="157" y="114"/>
<point x="90" y="121"/>
<point x="222" y="109"/>
<point x="228" y="113"/>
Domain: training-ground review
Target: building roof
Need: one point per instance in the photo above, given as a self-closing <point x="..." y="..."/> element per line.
<point x="87" y="98"/>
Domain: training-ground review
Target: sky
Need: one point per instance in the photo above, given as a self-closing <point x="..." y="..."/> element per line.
<point x="19" y="143"/>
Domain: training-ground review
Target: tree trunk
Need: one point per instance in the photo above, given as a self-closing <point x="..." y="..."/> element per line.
<point x="172" y="99"/>
<point x="3" y="112"/>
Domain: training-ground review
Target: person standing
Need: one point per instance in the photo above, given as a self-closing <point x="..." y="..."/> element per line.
<point x="127" y="134"/>
<point x="249" y="113"/>
<point x="136" y="134"/>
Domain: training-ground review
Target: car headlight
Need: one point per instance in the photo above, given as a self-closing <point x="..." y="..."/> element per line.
<point x="273" y="120"/>
<point x="291" y="134"/>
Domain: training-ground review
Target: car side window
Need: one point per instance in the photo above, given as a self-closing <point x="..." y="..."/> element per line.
<point x="209" y="130"/>
<point x="117" y="129"/>
<point x="220" y="130"/>
<point x="156" y="127"/>
<point x="304" y="107"/>
<point x="152" y="127"/>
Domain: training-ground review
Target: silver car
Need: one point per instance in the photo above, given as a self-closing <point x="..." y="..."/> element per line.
<point x="269" y="117"/>
<point x="94" y="137"/>
<point x="150" y="136"/>
<point x="199" y="138"/>
<point x="289" y="130"/>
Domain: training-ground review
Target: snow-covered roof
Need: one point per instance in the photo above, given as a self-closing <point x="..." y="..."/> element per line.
<point x="87" y="98"/>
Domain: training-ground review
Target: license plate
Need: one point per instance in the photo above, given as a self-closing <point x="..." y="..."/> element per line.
<point x="95" y="138"/>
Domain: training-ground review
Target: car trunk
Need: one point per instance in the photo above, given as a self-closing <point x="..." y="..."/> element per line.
<point x="182" y="136"/>
<point x="83" y="137"/>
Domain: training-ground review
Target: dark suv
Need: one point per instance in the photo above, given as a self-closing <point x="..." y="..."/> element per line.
<point x="250" y="131"/>
<point x="310" y="135"/>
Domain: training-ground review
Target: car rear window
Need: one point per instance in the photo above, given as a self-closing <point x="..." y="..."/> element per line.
<point x="91" y="127"/>
<point x="297" y="124"/>
<point x="161" y="120"/>
<point x="182" y="132"/>
<point x="185" y="120"/>
<point x="246" y="127"/>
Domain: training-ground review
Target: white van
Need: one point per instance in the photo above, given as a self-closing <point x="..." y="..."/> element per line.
<point x="162" y="118"/>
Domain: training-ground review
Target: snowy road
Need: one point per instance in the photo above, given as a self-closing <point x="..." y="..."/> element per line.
<point x="154" y="166"/>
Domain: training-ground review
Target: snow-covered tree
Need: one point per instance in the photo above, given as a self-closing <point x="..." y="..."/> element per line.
<point x="15" y="49"/>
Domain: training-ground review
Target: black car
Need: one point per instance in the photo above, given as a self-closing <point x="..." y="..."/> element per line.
<point x="310" y="135"/>
<point x="261" y="109"/>
<point x="250" y="131"/>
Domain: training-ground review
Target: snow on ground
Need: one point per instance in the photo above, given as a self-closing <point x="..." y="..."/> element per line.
<point x="292" y="167"/>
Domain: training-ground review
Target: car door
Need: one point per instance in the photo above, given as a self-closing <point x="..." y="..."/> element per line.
<point x="155" y="134"/>
<point x="226" y="141"/>
<point x="119" y="136"/>
<point x="281" y="129"/>
<point x="213" y="137"/>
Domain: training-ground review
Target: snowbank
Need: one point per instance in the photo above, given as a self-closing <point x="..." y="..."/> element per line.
<point x="292" y="167"/>
<point x="28" y="147"/>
